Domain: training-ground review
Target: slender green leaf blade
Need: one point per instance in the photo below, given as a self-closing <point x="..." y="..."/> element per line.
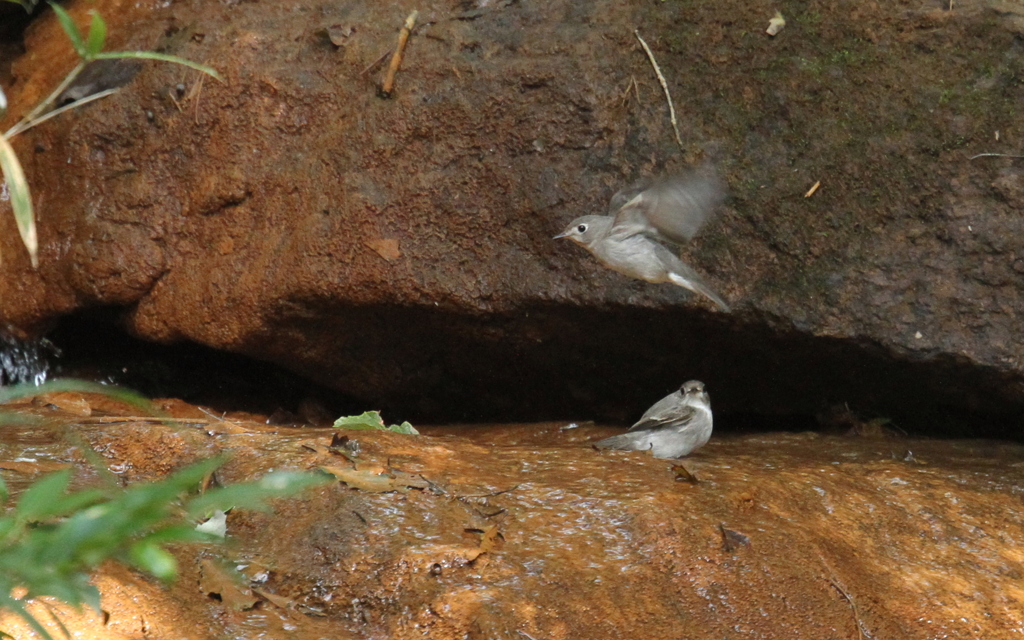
<point x="154" y="560"/>
<point x="254" y="495"/>
<point x="152" y="55"/>
<point x="97" y="35"/>
<point x="69" y="27"/>
<point x="18" y="607"/>
<point x="36" y="502"/>
<point x="21" y="198"/>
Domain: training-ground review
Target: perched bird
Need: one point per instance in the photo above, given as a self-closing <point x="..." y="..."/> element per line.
<point x="629" y="240"/>
<point x="675" y="426"/>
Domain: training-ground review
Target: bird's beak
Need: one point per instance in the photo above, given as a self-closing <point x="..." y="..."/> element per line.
<point x="561" y="235"/>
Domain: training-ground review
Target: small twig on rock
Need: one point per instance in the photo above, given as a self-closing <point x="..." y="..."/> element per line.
<point x="199" y="94"/>
<point x="664" y="86"/>
<point x="148" y="419"/>
<point x="994" y="155"/>
<point x="376" y="63"/>
<point x="396" y="60"/>
<point x="489" y="495"/>
<point x="832" y="580"/>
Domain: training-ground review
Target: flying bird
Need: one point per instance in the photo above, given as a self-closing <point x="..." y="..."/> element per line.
<point x="629" y="240"/>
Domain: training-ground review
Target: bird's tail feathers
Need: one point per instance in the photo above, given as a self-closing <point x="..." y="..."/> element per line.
<point x="622" y="442"/>
<point x="693" y="282"/>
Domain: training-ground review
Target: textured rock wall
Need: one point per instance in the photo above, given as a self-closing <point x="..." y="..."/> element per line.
<point x="399" y="250"/>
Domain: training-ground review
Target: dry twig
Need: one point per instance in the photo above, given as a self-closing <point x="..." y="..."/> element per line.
<point x="376" y="63"/>
<point x="153" y="419"/>
<point x="396" y="60"/>
<point x="664" y="86"/>
<point x="832" y="580"/>
<point x="995" y="155"/>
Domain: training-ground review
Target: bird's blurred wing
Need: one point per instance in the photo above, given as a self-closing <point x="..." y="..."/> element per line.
<point x="620" y="199"/>
<point x="673" y="209"/>
<point x="676" y="415"/>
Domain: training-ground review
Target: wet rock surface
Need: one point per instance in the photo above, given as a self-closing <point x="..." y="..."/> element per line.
<point x="399" y="250"/>
<point x="500" y="531"/>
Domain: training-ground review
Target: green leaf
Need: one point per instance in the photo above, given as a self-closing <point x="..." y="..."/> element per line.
<point x="97" y="35"/>
<point x="38" y="499"/>
<point x="6" y="526"/>
<point x="27" y="5"/>
<point x="18" y="607"/>
<point x="253" y="495"/>
<point x="154" y="560"/>
<point x="367" y="420"/>
<point x="4" y="493"/>
<point x="152" y="55"/>
<point x="69" y="27"/>
<point x="405" y="428"/>
<point x="21" y="198"/>
<point x="371" y="420"/>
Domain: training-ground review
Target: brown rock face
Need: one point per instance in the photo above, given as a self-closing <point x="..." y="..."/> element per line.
<point x="400" y="249"/>
<point x="526" y="531"/>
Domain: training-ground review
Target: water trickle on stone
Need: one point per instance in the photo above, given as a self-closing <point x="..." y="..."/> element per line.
<point x="24" y="360"/>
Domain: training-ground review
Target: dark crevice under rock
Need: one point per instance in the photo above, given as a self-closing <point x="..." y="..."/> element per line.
<point x="606" y="365"/>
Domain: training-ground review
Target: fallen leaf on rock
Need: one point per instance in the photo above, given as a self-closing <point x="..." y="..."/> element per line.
<point x="344" y="446"/>
<point x="217" y="582"/>
<point x="32" y="466"/>
<point x="273" y="598"/>
<point x="374" y="481"/>
<point x="386" y="248"/>
<point x="339" y="34"/>
<point x="371" y="421"/>
<point x="732" y="540"/>
<point x="216" y="525"/>
<point x="490" y="538"/>
<point x="66" y="401"/>
<point x="684" y="475"/>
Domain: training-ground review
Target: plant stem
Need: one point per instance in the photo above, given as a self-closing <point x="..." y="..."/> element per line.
<point x="26" y="122"/>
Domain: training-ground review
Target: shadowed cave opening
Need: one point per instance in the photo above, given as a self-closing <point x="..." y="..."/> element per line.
<point x="557" y="363"/>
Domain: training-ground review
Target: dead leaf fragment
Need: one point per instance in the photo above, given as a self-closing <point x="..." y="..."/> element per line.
<point x="732" y="540"/>
<point x="32" y="466"/>
<point x="273" y="598"/>
<point x="66" y="401"/>
<point x="215" y="581"/>
<point x="684" y="475"/>
<point x="376" y="480"/>
<point x="490" y="538"/>
<point x="339" y="34"/>
<point x="776" y="24"/>
<point x="386" y="248"/>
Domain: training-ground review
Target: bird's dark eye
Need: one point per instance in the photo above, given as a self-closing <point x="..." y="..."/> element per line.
<point x="582" y="228"/>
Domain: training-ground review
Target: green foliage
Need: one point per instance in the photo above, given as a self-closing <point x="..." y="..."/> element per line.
<point x="28" y="5"/>
<point x="53" y="537"/>
<point x="30" y="389"/>
<point x="21" y="198"/>
<point x="372" y="420"/>
<point x="89" y="47"/>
